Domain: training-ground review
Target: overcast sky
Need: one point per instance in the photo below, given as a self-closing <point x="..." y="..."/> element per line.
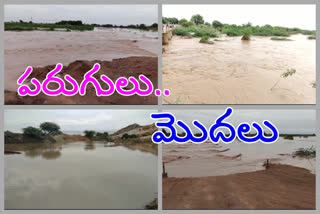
<point x="287" y="121"/>
<point x="76" y="121"/>
<point x="100" y="14"/>
<point x="301" y="16"/>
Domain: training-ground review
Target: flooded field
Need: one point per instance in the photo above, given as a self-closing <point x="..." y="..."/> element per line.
<point x="208" y="159"/>
<point x="232" y="71"/>
<point x="80" y="175"/>
<point x="42" y="48"/>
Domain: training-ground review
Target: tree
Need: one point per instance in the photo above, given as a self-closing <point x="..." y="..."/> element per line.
<point x="32" y="132"/>
<point x="89" y="133"/>
<point x="50" y="128"/>
<point x="188" y="24"/>
<point x="173" y="20"/>
<point x="197" y="19"/>
<point x="182" y="21"/>
<point x="102" y="135"/>
<point x="217" y="24"/>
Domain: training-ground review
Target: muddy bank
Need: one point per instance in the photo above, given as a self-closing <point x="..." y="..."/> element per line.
<point x="279" y="187"/>
<point x="125" y="67"/>
<point x="239" y="72"/>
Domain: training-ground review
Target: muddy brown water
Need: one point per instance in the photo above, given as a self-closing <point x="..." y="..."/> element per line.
<point x="239" y="72"/>
<point x="42" y="48"/>
<point x="80" y="176"/>
<point x="205" y="159"/>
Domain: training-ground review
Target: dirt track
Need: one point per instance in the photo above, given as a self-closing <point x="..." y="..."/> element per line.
<point x="279" y="187"/>
<point x="125" y="67"/>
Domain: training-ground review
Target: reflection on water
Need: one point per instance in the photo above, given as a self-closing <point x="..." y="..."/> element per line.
<point x="74" y="178"/>
<point x="205" y="160"/>
<point x="89" y="146"/>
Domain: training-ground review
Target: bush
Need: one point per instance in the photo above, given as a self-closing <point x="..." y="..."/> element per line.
<point x="289" y="72"/>
<point x="102" y="135"/>
<point x="196" y="31"/>
<point x="32" y="132"/>
<point x="204" y="31"/>
<point x="306" y="152"/>
<point x="182" y="21"/>
<point x="205" y="40"/>
<point x="311" y="37"/>
<point x="188" y="24"/>
<point x="89" y="134"/>
<point x="173" y="20"/>
<point x="181" y="31"/>
<point x="128" y="136"/>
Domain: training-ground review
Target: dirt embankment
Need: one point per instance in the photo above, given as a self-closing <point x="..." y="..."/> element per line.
<point x="278" y="187"/>
<point x="124" y="67"/>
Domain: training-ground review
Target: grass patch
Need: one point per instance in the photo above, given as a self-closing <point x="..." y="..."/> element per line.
<point x="306" y="152"/>
<point x="312" y="37"/>
<point x="280" y="39"/>
<point x="195" y="31"/>
<point x="205" y="40"/>
<point x="289" y="72"/>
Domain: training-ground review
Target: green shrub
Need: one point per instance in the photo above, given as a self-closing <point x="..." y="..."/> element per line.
<point x="289" y="72"/>
<point x="89" y="133"/>
<point x="128" y="136"/>
<point x="182" y="22"/>
<point x="311" y="37"/>
<point x="32" y="132"/>
<point x="181" y="31"/>
<point x="205" y="40"/>
<point x="204" y="31"/>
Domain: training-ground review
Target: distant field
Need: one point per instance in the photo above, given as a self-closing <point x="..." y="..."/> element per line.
<point x="17" y="26"/>
<point x="68" y="26"/>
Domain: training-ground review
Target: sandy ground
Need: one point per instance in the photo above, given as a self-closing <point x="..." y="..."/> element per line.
<point x="43" y="48"/>
<point x="237" y="72"/>
<point x="279" y="187"/>
<point x="131" y="66"/>
<point x="233" y="176"/>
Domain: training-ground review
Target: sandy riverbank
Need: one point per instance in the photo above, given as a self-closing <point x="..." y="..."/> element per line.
<point x="279" y="187"/>
<point x="125" y="67"/>
<point x="236" y="72"/>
